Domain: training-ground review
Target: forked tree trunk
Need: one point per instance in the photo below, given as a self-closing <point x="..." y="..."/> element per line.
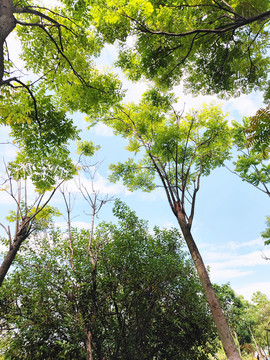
<point x="218" y="315"/>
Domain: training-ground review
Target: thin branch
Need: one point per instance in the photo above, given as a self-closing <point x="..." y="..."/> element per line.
<point x="257" y="187"/>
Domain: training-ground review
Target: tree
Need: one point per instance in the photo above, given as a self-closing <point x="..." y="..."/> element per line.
<point x="148" y="296"/>
<point x="224" y="41"/>
<point x="259" y="130"/>
<point x="59" y="75"/>
<point x="27" y="219"/>
<point x="259" y="312"/>
<point x="178" y="152"/>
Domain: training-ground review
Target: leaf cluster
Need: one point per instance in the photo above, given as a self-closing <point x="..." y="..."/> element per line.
<point x="42" y="137"/>
<point x="252" y="163"/>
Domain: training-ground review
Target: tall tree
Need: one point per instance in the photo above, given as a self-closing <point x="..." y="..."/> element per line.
<point x="177" y="152"/>
<point x="59" y="74"/>
<point x="216" y="47"/>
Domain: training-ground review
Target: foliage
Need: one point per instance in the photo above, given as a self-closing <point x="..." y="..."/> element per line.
<point x="58" y="48"/>
<point x="252" y="163"/>
<point x="225" y="42"/>
<point x="259" y="130"/>
<point x="43" y="155"/>
<point x="148" y="297"/>
<point x="266" y="234"/>
<point x="236" y="310"/>
<point x="43" y="218"/>
<point x="259" y="312"/>
<point x="176" y="150"/>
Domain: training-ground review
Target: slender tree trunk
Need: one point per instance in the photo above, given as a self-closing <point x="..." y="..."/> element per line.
<point x="88" y="345"/>
<point x="218" y="316"/>
<point x="7" y="24"/>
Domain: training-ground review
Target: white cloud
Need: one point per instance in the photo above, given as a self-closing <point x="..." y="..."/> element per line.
<point x="188" y="101"/>
<point x="248" y="290"/>
<point x="245" y="105"/>
<point x="227" y="261"/>
<point x="230" y="262"/>
<point x="220" y="275"/>
<point x="252" y="243"/>
<point x="103" y="130"/>
<point x="75" y="224"/>
<point x="100" y="184"/>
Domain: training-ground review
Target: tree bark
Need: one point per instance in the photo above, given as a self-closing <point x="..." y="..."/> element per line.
<point x="218" y="315"/>
<point x="88" y="345"/>
<point x="7" y="24"/>
<point x="21" y="235"/>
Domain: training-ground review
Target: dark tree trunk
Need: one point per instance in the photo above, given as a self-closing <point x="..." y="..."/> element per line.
<point x="7" y="24"/>
<point x="10" y="257"/>
<point x="218" y="315"/>
<point x="21" y="235"/>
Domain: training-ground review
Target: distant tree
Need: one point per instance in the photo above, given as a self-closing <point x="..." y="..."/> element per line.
<point x="259" y="312"/>
<point x="148" y="298"/>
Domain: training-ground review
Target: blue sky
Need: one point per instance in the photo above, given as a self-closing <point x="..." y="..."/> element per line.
<point x="230" y="214"/>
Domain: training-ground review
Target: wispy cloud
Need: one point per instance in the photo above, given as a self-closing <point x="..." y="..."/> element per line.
<point x="252" y="243"/>
<point x="238" y="261"/>
<point x="229" y="262"/>
<point x="100" y="184"/>
<point x="103" y="130"/>
<point x="244" y="105"/>
<point x="75" y="224"/>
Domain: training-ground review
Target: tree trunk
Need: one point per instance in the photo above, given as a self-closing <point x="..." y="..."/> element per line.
<point x="7" y="24"/>
<point x="88" y="345"/>
<point x="21" y="235"/>
<point x="218" y="316"/>
<point x="8" y="260"/>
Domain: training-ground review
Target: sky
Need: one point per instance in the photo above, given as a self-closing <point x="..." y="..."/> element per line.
<point x="230" y="214"/>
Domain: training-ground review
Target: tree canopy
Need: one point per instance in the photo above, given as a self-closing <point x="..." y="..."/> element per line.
<point x="225" y="42"/>
<point x="176" y="152"/>
<point x="58" y="47"/>
<point x="148" y="298"/>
